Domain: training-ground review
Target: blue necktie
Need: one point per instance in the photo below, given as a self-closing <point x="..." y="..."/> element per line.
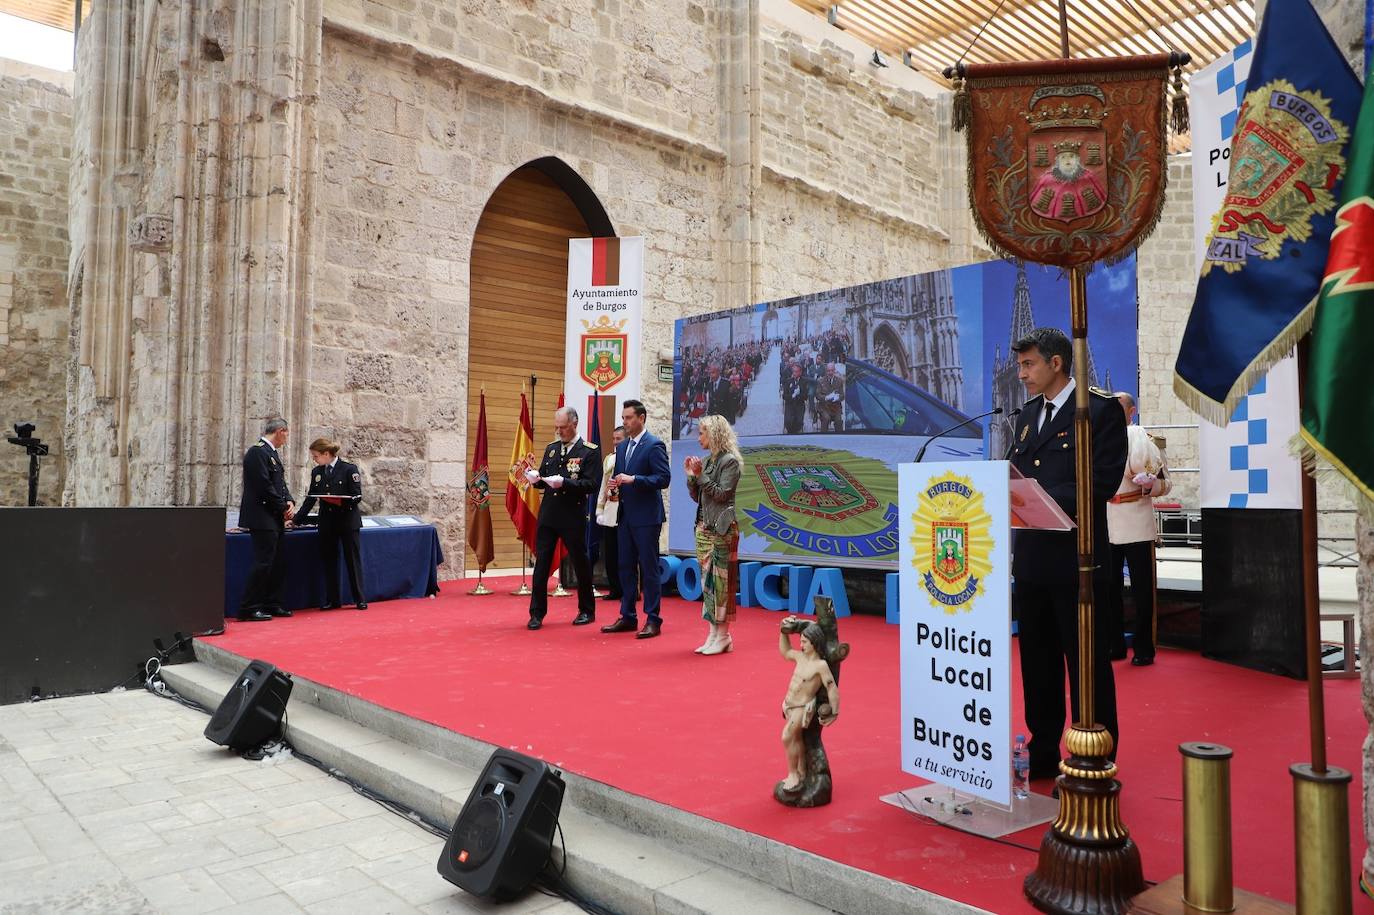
<point x="629" y="452"/>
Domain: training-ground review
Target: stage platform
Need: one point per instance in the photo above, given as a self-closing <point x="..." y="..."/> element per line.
<point x="702" y="734"/>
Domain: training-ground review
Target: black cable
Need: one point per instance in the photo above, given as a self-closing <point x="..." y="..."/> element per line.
<point x="987" y="22"/>
<point x="549" y="883"/>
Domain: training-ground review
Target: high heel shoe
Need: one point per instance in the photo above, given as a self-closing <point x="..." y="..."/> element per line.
<point x="721" y="645"/>
<point x="710" y="640"/>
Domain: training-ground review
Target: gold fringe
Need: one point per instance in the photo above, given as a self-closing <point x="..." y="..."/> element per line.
<point x="1321" y="464"/>
<point x="1219" y="414"/>
<point x="1179" y="104"/>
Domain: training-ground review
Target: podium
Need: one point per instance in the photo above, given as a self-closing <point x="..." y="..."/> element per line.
<point x="954" y="591"/>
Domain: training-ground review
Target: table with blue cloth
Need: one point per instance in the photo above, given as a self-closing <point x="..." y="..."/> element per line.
<point x="397" y="562"/>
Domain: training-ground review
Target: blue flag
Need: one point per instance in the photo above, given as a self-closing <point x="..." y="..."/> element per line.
<point x="1266" y="253"/>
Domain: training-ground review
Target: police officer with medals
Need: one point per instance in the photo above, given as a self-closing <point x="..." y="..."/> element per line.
<point x="264" y="509"/>
<point x="569" y="472"/>
<point x="1045" y="563"/>
<point x="338" y="485"/>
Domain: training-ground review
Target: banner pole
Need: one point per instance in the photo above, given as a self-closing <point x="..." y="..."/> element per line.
<point x="1088" y="862"/>
<point x="524" y="563"/>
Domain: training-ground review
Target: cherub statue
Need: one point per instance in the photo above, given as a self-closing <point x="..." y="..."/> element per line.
<point x="805" y="709"/>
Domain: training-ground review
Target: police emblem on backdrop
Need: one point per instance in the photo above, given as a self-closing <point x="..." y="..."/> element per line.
<point x="810" y="501"/>
<point x="1285" y="162"/>
<point x="952" y="538"/>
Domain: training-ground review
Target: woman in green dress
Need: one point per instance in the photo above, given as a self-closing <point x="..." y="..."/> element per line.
<point x="712" y="483"/>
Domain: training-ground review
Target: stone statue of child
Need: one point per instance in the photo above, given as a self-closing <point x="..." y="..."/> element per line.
<point x="810" y="674"/>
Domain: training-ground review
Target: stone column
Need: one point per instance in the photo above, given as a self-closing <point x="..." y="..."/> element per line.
<point x="197" y="240"/>
<point x="741" y="104"/>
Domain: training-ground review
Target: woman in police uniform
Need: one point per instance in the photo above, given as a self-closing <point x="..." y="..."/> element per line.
<point x="338" y="487"/>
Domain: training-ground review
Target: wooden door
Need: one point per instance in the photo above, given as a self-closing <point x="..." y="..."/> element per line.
<point x="519" y="294"/>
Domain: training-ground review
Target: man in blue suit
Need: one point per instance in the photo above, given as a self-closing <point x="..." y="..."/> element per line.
<point x="641" y="475"/>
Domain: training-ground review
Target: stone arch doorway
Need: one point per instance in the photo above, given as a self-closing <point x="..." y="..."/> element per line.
<point x="517" y="317"/>
<point x="888" y="352"/>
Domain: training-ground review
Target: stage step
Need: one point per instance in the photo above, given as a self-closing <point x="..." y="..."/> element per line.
<point x="628" y="853"/>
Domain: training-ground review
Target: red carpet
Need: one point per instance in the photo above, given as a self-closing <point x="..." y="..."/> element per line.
<point x="702" y="734"/>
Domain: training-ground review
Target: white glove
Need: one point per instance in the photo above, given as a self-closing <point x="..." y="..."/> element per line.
<point x="532" y="476"/>
<point x="832" y="397"/>
<point x="1145" y="481"/>
<point x="556" y="481"/>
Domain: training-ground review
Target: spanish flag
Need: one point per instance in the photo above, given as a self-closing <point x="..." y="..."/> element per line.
<point x="522" y="499"/>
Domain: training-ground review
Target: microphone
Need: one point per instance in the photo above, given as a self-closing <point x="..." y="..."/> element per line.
<point x="1011" y="431"/>
<point x="922" y="453"/>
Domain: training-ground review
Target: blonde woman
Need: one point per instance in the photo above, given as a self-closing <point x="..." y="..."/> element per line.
<point x="712" y="484"/>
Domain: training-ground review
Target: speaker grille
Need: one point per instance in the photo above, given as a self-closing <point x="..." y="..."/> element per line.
<point x="230" y="707"/>
<point x="478" y="832"/>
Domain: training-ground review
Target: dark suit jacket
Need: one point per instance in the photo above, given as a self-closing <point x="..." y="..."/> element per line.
<point x="345" y="481"/>
<point x="722" y="399"/>
<point x="264" y="489"/>
<point x="641" y="503"/>
<point x="1047" y="557"/>
<point x="581" y="472"/>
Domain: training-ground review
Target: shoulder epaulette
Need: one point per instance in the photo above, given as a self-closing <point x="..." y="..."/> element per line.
<point x="1159" y="440"/>
<point x="1102" y="393"/>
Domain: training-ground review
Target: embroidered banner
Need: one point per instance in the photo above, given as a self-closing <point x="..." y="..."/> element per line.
<point x="1066" y="157"/>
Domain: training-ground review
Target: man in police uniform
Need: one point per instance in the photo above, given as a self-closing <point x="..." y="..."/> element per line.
<point x="265" y="508"/>
<point x="1045" y="563"/>
<point x="569" y="472"/>
<point x="1131" y="528"/>
<point x="339" y="487"/>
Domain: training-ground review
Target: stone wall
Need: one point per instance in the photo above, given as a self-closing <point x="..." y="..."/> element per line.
<point x="410" y="153"/>
<point x="35" y="148"/>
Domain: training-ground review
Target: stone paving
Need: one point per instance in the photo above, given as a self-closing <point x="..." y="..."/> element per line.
<point x="116" y="803"/>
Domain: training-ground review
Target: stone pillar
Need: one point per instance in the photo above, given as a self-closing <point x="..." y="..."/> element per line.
<point x="741" y="106"/>
<point x="198" y="239"/>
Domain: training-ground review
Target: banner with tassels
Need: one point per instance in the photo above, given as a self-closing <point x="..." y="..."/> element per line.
<point x="1266" y="254"/>
<point x="1066" y="158"/>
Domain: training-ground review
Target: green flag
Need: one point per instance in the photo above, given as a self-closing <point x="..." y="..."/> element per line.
<point x="1338" y="411"/>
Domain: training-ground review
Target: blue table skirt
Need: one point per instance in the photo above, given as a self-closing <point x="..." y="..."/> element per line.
<point x="397" y="562"/>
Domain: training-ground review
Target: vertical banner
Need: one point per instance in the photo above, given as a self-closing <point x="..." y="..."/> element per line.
<point x="1245" y="464"/>
<point x="956" y="625"/>
<point x="605" y="324"/>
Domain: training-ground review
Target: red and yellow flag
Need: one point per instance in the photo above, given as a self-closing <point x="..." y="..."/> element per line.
<point x="522" y="499"/>
<point x="479" y="495"/>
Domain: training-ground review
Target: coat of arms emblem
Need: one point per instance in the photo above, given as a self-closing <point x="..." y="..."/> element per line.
<point x="603" y="348"/>
<point x="953" y="542"/>
<point x="1066" y="158"/>
<point x="1285" y="162"/>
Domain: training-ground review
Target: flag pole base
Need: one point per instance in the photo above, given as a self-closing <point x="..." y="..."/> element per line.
<point x="522" y="590"/>
<point x="560" y="591"/>
<point x="481" y="589"/>
<point x="1088" y="863"/>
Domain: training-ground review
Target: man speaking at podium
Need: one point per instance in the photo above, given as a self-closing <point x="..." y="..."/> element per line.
<point x="1045" y="563"/>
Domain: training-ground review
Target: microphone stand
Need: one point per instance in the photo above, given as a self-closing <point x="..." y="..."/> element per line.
<point x="972" y="419"/>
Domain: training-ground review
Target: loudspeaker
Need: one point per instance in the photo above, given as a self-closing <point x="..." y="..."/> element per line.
<point x="251" y="711"/>
<point x="502" y="837"/>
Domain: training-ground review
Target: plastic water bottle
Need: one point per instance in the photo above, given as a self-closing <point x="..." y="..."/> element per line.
<point x="1020" y="768"/>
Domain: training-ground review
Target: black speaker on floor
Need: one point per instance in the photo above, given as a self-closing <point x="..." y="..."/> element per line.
<point x="250" y="713"/>
<point x="503" y="835"/>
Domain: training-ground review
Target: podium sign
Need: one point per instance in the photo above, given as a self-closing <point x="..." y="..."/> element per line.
<point x="956" y="625"/>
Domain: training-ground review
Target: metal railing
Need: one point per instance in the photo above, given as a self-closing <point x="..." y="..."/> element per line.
<point x="1332" y="551"/>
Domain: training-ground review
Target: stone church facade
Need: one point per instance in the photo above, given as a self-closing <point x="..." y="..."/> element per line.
<point x="270" y="209"/>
